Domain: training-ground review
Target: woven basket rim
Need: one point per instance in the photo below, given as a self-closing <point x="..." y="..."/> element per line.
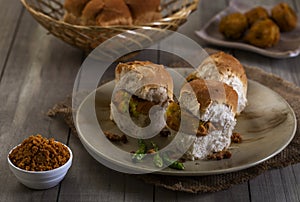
<point x="178" y="14"/>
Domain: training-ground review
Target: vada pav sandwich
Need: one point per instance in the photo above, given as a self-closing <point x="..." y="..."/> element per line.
<point x="206" y="114"/>
<point x="142" y="92"/>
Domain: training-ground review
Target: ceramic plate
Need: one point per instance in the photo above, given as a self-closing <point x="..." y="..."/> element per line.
<point x="267" y="126"/>
<point x="288" y="46"/>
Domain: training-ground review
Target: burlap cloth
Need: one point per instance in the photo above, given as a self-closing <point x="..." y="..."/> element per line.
<point x="212" y="183"/>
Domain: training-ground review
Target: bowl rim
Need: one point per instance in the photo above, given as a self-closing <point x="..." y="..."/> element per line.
<point x="68" y="163"/>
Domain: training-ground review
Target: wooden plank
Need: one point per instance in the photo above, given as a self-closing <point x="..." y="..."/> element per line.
<point x="290" y="184"/>
<point x="296" y="175"/>
<point x="268" y="187"/>
<point x="287" y="69"/>
<point x="200" y="17"/>
<point x="236" y="193"/>
<point x="92" y="181"/>
<point x="162" y="195"/>
<point x="88" y="180"/>
<point x="296" y="6"/>
<point x="27" y="91"/>
<point x="137" y="190"/>
<point x="10" y="12"/>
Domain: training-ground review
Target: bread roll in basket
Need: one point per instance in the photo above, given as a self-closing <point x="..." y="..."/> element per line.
<point x="51" y="13"/>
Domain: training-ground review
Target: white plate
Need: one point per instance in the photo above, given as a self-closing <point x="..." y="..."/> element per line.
<point x="267" y="125"/>
<point x="288" y="45"/>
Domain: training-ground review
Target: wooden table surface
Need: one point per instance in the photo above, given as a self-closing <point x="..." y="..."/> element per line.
<point x="38" y="70"/>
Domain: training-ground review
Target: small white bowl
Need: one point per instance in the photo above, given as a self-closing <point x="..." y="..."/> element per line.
<point x="41" y="179"/>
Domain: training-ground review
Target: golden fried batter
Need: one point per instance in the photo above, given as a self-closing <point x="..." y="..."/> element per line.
<point x="255" y="14"/>
<point x="284" y="16"/>
<point x="233" y="25"/>
<point x="173" y="116"/>
<point x="263" y="34"/>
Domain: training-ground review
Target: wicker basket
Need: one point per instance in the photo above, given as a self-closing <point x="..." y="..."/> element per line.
<point x="50" y="12"/>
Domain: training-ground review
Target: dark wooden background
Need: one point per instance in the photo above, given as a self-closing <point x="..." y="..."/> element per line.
<point x="37" y="70"/>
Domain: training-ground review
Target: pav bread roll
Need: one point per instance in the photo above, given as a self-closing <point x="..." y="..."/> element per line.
<point x="208" y="109"/>
<point x="144" y="11"/>
<point x="73" y="10"/>
<point x="111" y="12"/>
<point x="106" y="12"/>
<point x="75" y="7"/>
<point x="97" y="12"/>
<point x="225" y="68"/>
<point x="139" y="87"/>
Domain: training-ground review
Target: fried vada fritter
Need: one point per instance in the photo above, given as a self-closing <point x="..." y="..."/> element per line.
<point x="263" y="33"/>
<point x="233" y="25"/>
<point x="284" y="16"/>
<point x="257" y="13"/>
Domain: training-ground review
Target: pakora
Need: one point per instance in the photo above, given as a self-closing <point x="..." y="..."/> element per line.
<point x="233" y="26"/>
<point x="255" y="14"/>
<point x="263" y="33"/>
<point x="284" y="16"/>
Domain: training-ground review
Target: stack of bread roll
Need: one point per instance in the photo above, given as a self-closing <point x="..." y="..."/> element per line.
<point x="111" y="12"/>
<point x="215" y="93"/>
<point x="205" y="112"/>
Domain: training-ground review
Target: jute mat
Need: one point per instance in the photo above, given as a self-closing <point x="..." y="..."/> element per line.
<point x="212" y="183"/>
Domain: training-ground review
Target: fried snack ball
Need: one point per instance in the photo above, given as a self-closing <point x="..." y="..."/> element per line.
<point x="255" y="14"/>
<point x="263" y="33"/>
<point x="233" y="25"/>
<point x="284" y="16"/>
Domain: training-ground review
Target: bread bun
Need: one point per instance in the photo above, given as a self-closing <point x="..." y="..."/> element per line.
<point x="97" y="12"/>
<point x="215" y="104"/>
<point x="207" y="92"/>
<point x="75" y="7"/>
<point x="145" y="12"/>
<point x="106" y="12"/>
<point x="225" y="68"/>
<point x="153" y="78"/>
<point x="90" y="12"/>
<point x="142" y="93"/>
<point x="111" y="12"/>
